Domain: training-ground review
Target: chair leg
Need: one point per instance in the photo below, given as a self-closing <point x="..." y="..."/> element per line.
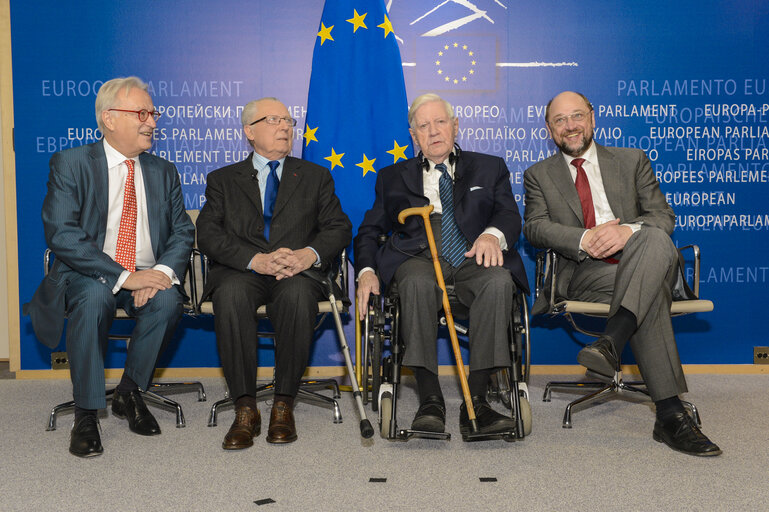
<point x="604" y="392"/>
<point x="317" y="396"/>
<point x="160" y="387"/>
<point x="55" y="412"/>
<point x="215" y="408"/>
<point x="167" y="402"/>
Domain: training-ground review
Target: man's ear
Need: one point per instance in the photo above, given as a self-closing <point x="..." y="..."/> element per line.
<point x="107" y="120"/>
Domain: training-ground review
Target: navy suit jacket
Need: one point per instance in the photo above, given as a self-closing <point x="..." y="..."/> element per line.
<point x="482" y="198"/>
<point x="75" y="222"/>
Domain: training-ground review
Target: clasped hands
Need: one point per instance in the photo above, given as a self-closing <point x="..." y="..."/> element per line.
<point x="144" y="284"/>
<point x="606" y="239"/>
<point x="283" y="262"/>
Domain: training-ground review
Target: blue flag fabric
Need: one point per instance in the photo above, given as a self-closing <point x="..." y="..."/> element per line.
<point x="357" y="111"/>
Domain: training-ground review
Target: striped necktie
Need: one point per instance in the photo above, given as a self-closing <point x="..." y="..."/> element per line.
<point x="453" y="242"/>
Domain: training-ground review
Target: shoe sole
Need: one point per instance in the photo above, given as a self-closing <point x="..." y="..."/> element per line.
<point x="86" y="455"/>
<point x="659" y="439"/>
<point x="282" y="440"/>
<point x="595" y="362"/>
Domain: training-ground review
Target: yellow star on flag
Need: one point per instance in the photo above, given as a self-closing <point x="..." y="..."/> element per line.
<point x="398" y="151"/>
<point x="335" y="159"/>
<point x="309" y="134"/>
<point x="367" y="165"/>
<point x="357" y="21"/>
<point x="325" y="33"/>
<point x="386" y="26"/>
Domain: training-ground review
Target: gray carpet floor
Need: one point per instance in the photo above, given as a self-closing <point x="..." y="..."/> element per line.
<point x="607" y="461"/>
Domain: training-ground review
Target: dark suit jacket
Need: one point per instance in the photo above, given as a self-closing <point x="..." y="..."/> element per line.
<point x="482" y="198"/>
<point x="75" y="222"/>
<point x="307" y="213"/>
<point x="553" y="214"/>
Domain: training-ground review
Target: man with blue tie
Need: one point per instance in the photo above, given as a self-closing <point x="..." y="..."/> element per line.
<point x="266" y="219"/>
<point x="114" y="217"/>
<point x="475" y="222"/>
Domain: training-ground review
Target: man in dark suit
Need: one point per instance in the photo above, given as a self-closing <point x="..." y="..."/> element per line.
<point x="266" y="219"/>
<point x="475" y="221"/>
<point x="602" y="210"/>
<point x="114" y="217"/>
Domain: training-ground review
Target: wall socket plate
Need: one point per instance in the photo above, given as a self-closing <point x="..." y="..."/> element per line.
<point x="59" y="361"/>
<point x="760" y="355"/>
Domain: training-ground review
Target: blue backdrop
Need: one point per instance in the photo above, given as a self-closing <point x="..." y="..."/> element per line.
<point x="685" y="81"/>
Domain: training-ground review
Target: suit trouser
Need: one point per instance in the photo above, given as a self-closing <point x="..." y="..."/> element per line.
<point x="640" y="283"/>
<point x="292" y="307"/>
<point x="90" y="311"/>
<point x="486" y="292"/>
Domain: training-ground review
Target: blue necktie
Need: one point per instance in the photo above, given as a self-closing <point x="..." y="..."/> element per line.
<point x="453" y="242"/>
<point x="270" y="193"/>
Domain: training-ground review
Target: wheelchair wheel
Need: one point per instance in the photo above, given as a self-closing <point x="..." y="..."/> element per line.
<point x="385" y="414"/>
<point x="525" y="414"/>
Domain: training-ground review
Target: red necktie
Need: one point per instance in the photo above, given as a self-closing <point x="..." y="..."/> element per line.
<point x="583" y="190"/>
<point x="586" y="198"/>
<point x="125" y="253"/>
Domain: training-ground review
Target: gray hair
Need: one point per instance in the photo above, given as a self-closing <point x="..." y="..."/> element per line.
<point x="251" y="108"/>
<point x="426" y="98"/>
<point x="106" y="98"/>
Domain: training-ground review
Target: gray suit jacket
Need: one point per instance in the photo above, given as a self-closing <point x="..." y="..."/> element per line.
<point x="231" y="223"/>
<point x="75" y="222"/>
<point x="553" y="214"/>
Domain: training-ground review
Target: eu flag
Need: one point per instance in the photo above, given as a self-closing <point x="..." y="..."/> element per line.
<point x="357" y="112"/>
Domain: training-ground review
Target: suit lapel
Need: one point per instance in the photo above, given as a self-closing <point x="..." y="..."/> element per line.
<point x="460" y="186"/>
<point x="246" y="181"/>
<point x="561" y="176"/>
<point x="289" y="183"/>
<point x="151" y="199"/>
<point x="412" y="177"/>
<point x="612" y="183"/>
<point x="97" y="165"/>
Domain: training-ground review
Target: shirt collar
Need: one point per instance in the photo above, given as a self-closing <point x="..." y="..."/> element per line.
<point x="590" y="156"/>
<point x="115" y="157"/>
<point x="260" y="162"/>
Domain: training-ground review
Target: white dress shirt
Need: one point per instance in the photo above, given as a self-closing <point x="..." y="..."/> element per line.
<point x="118" y="172"/>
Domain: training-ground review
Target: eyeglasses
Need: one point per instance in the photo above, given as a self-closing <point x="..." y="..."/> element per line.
<point x="143" y="114"/>
<point x="275" y="120"/>
<point x="577" y="117"/>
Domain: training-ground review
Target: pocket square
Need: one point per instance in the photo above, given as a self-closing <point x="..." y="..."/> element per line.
<point x="475" y="188"/>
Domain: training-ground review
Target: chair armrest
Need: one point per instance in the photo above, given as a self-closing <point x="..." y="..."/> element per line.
<point x="695" y="284"/>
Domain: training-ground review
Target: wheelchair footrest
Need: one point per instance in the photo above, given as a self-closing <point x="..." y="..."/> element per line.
<point x="508" y="435"/>
<point x="406" y="434"/>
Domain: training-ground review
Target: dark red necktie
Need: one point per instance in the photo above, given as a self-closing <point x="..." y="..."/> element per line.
<point x="586" y="198"/>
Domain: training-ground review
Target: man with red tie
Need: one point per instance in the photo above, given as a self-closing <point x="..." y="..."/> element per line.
<point x="602" y="210"/>
<point x="115" y="220"/>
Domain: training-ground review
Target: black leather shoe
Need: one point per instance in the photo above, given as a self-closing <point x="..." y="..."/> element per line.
<point x="600" y="356"/>
<point x="489" y="420"/>
<point x="132" y="407"/>
<point x="84" y="439"/>
<point x="682" y="434"/>
<point x="431" y="415"/>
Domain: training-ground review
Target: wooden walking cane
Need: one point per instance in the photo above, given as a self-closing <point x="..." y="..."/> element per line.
<point x="424" y="212"/>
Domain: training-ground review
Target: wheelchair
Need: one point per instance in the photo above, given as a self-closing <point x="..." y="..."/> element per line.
<point x="382" y="354"/>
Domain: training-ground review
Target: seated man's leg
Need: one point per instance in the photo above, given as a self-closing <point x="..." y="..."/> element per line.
<point x="235" y="302"/>
<point x="293" y="310"/>
<point x="156" y="322"/>
<point x="420" y="299"/>
<point x="90" y="309"/>
<point x="488" y="292"/>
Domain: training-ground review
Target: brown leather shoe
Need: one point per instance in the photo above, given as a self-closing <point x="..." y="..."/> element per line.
<point x="247" y="425"/>
<point x="282" y="428"/>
